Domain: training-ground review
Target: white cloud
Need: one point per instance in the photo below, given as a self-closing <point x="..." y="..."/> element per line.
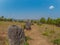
<point x="51" y="7"/>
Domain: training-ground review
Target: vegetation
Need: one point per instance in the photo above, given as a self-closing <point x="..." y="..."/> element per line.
<point x="2" y="18"/>
<point x="27" y="38"/>
<point x="50" y="21"/>
<point x="42" y="20"/>
<point x="26" y="43"/>
<point x="56" y="41"/>
<point x="48" y="32"/>
<point x="53" y="35"/>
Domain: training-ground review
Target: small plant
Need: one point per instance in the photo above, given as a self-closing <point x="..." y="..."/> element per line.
<point x="28" y="38"/>
<point x="48" y="32"/>
<point x="26" y="43"/>
<point x="56" y="41"/>
<point x="52" y="31"/>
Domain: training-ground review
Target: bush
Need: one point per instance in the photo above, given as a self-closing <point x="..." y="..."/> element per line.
<point x="28" y="38"/>
<point x="58" y="22"/>
<point x="26" y="43"/>
<point x="48" y="32"/>
<point x="56" y="41"/>
<point x="43" y="20"/>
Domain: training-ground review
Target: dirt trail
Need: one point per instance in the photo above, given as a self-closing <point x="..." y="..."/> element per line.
<point x="37" y="39"/>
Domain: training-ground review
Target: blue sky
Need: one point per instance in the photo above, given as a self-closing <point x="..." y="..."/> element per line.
<point x="30" y="9"/>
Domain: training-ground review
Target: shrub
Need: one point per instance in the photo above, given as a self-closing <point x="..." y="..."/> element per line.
<point x="43" y="20"/>
<point x="48" y="32"/>
<point x="56" y="41"/>
<point x="28" y="38"/>
<point x="26" y="43"/>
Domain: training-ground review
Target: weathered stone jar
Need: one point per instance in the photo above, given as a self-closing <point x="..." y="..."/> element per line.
<point x="16" y="35"/>
<point x="28" y="25"/>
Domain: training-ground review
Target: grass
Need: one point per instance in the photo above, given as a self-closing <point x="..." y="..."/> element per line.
<point x="4" y="26"/>
<point x="51" y="33"/>
<point x="28" y="38"/>
<point x="56" y="41"/>
<point x="48" y="32"/>
<point x="26" y="43"/>
<point x="4" y="41"/>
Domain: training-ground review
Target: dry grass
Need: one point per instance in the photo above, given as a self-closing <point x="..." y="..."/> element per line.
<point x="51" y="32"/>
<point x="35" y="33"/>
<point x="3" y="31"/>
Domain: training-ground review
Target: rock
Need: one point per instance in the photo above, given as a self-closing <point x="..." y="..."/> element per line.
<point x="28" y="25"/>
<point x="16" y="35"/>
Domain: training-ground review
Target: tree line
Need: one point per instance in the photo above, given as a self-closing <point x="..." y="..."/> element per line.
<point x="2" y="18"/>
<point x="41" y="20"/>
<point x="50" y="21"/>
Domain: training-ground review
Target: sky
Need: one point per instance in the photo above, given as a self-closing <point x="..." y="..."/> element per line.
<point x="30" y="9"/>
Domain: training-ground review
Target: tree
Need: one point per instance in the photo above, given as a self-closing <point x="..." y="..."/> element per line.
<point x="49" y="20"/>
<point x="9" y="19"/>
<point x="43" y="20"/>
<point x="58" y="21"/>
<point x="2" y="16"/>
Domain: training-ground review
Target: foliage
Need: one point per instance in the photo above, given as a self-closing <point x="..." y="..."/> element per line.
<point x="26" y="43"/>
<point x="50" y="21"/>
<point x="28" y="38"/>
<point x="56" y="41"/>
<point x="48" y="32"/>
<point x="43" y="20"/>
<point x="58" y="21"/>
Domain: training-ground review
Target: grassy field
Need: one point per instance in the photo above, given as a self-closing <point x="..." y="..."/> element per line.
<point x="39" y="35"/>
<point x="3" y="30"/>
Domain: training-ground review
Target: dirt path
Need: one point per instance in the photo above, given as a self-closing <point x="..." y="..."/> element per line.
<point x="37" y="39"/>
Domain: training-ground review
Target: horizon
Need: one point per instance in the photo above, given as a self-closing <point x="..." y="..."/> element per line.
<point x="30" y="9"/>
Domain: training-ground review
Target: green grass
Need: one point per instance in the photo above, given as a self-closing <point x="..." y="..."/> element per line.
<point x="52" y="35"/>
<point x="1" y="22"/>
<point x="56" y="41"/>
<point x="26" y="43"/>
<point x="48" y="32"/>
<point x="45" y="34"/>
<point x="28" y="38"/>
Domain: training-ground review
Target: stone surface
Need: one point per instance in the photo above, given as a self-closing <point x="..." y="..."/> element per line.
<point x="16" y="35"/>
<point x="28" y="25"/>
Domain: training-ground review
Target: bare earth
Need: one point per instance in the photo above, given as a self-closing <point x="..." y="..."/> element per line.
<point x="37" y="38"/>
